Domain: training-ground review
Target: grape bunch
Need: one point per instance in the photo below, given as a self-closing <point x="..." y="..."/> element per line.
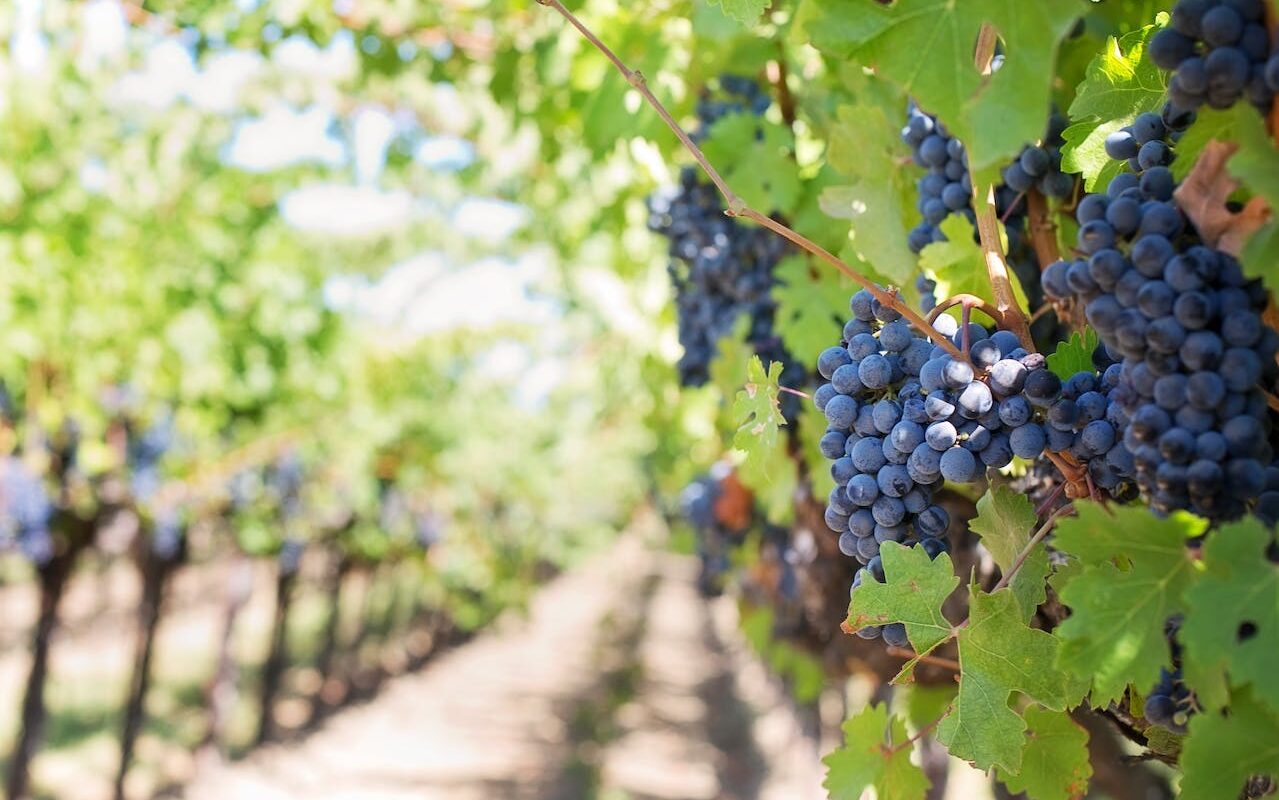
<point x="946" y="188"/>
<point x="1170" y="703"/>
<point x="1219" y="52"/>
<point x="1084" y="421"/>
<point x="713" y="541"/>
<point x="1186" y="325"/>
<point x="904" y="416"/>
<point x="26" y="510"/>
<point x="720" y="268"/>
<point x="1149" y="141"/>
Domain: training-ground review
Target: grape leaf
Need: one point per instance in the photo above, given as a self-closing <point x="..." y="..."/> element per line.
<point x="1006" y="521"/>
<point x="1209" y="124"/>
<point x="958" y="265"/>
<point x="1074" y="355"/>
<point x="744" y="11"/>
<point x="1237" y="594"/>
<point x="866" y="146"/>
<point x="914" y="592"/>
<point x="766" y="470"/>
<point x="1223" y="751"/>
<point x="998" y="655"/>
<point x="1119" y="84"/>
<point x="924" y="704"/>
<point x="1133" y="570"/>
<point x="811" y="305"/>
<point x="1255" y="164"/>
<point x="754" y="156"/>
<point x="1055" y="765"/>
<point x="875" y="754"/>
<point x="892" y="39"/>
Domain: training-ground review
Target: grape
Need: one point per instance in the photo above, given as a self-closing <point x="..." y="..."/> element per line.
<point x="1027" y="441"/>
<point x="958" y="465"/>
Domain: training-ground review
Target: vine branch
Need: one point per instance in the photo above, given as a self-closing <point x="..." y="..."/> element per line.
<point x="988" y="222"/>
<point x="738" y="208"/>
<point x="1031" y="545"/>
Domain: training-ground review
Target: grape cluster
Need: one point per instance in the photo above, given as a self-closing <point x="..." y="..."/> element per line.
<point x="27" y="511"/>
<point x="904" y="416"/>
<point x="1147" y="143"/>
<point x="1186" y="325"/>
<point x="1170" y="703"/>
<point x="145" y="451"/>
<point x="946" y="188"/>
<point x="713" y="540"/>
<point x="1219" y="51"/>
<point x="720" y="268"/>
<point x="1084" y="421"/>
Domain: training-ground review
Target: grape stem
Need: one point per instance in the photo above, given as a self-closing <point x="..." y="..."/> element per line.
<point x="919" y="734"/>
<point x="1043" y="231"/>
<point x="937" y="661"/>
<point x="969" y="302"/>
<point x="1043" y="531"/>
<point x="889" y="297"/>
<point x="795" y="392"/>
<point x="988" y="222"/>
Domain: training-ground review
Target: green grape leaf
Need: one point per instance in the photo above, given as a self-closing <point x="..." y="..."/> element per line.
<point x="893" y="40"/>
<point x="915" y="588"/>
<point x="866" y="146"/>
<point x="875" y="755"/>
<point x="1134" y="569"/>
<point x="1005" y="521"/>
<point x="757" y="408"/>
<point x="1232" y="624"/>
<point x="1223" y="751"/>
<point x="1255" y="165"/>
<point x="1074" y="355"/>
<point x="998" y="655"/>
<point x="746" y="12"/>
<point x="1209" y="124"/>
<point x="754" y="156"/>
<point x="1163" y="741"/>
<point x="811" y="306"/>
<point x="958" y="265"/>
<point x="1055" y="765"/>
<point x="924" y="704"/>
<point x="766" y="470"/>
<point x="1119" y="84"/>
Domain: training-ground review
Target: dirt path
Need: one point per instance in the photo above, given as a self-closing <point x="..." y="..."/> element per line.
<point x="620" y="683"/>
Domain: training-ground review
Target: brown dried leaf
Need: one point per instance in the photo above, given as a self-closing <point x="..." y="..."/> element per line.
<point x="1203" y="195"/>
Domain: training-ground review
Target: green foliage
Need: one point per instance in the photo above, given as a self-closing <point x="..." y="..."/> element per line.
<point x="875" y="755"/>
<point x="999" y="655"/>
<point x="1255" y="166"/>
<point x="811" y="306"/>
<point x="754" y="156"/>
<point x="1223" y="751"/>
<point x="744" y="11"/>
<point x="1055" y="764"/>
<point x="767" y="469"/>
<point x="1231" y="630"/>
<point x="1134" y="572"/>
<point x="895" y="38"/>
<point x="1120" y="84"/>
<point x="866" y="147"/>
<point x="1005" y="521"/>
<point x="1074" y="355"/>
<point x="913" y="593"/>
